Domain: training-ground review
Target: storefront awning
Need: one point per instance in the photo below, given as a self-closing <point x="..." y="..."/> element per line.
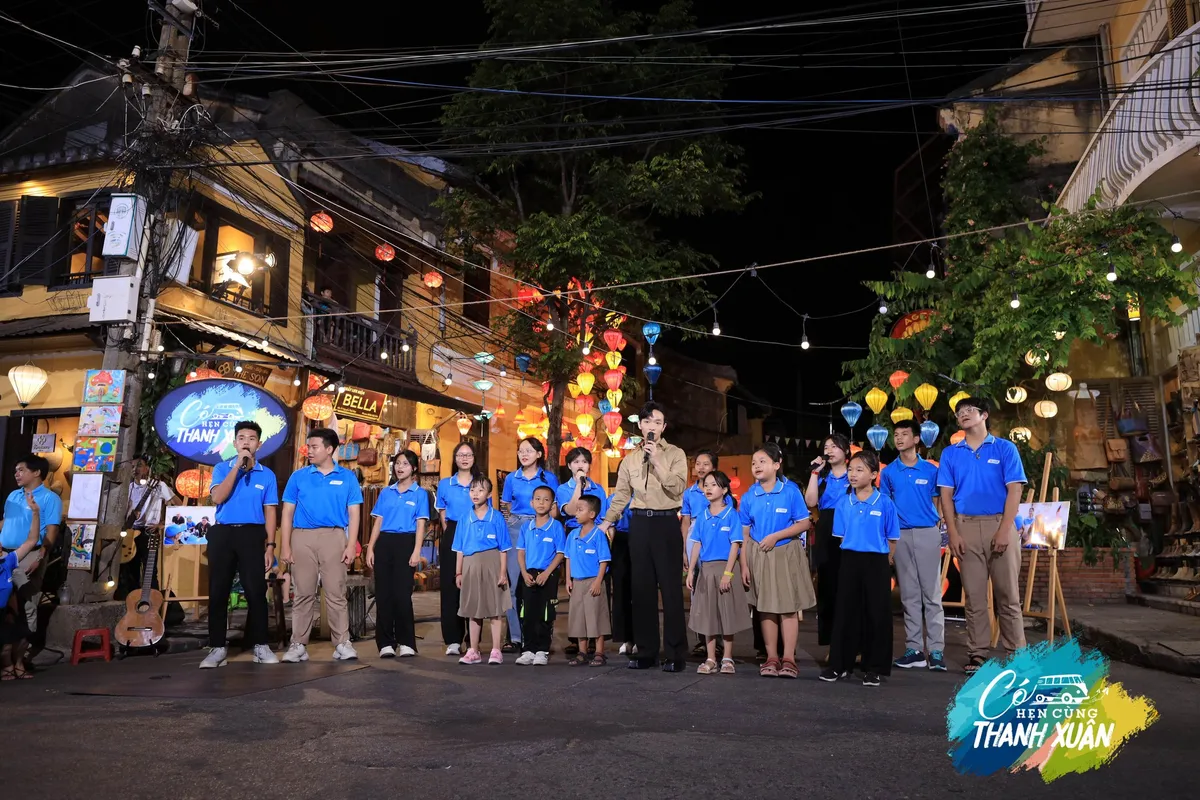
<point x="241" y="340"/>
<point x="66" y="323"/>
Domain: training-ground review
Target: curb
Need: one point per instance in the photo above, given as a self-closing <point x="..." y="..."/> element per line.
<point x="1139" y="652"/>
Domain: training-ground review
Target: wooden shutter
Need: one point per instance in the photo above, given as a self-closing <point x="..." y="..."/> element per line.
<point x="37" y="226"/>
<point x="1179" y="16"/>
<point x="8" y="231"/>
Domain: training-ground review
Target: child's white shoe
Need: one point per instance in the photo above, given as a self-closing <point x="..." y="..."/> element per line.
<point x="541" y="659"/>
<point x="525" y="659"/>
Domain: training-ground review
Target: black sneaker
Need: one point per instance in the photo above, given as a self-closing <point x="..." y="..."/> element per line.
<point x="910" y="659"/>
<point x="831" y="675"/>
<point x="871" y="679"/>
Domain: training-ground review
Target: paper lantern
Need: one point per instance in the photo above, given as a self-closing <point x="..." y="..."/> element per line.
<point x="958" y="398"/>
<point x="432" y="279"/>
<point x="614" y="339"/>
<point x="586" y="381"/>
<point x="613" y="359"/>
<point x="613" y="378"/>
<point x="385" y="252"/>
<point x="519" y="418"/>
<point x="464" y="425"/>
<point x="1016" y="394"/>
<point x="321" y="222"/>
<point x="615" y="438"/>
<point x="202" y="374"/>
<point x="851" y="411"/>
<point x="194" y="484"/>
<point x="878" y="436"/>
<point x="585" y="423"/>
<point x="522" y="361"/>
<point x="318" y="408"/>
<point x="1046" y="409"/>
<point x="926" y="395"/>
<point x="1033" y="358"/>
<point x="900" y="413"/>
<point x="958" y="437"/>
<point x="499" y="412"/>
<point x="612" y="421"/>
<point x="1020" y="434"/>
<point x="897" y="378"/>
<point x="929" y="432"/>
<point x="653" y="373"/>
<point x="586" y="366"/>
<point x="586" y="442"/>
<point x="1058" y="381"/>
<point x="596" y="357"/>
<point x="615" y="396"/>
<point x="735" y="483"/>
<point x="27" y="380"/>
<point x="651" y="331"/>
<point x="876" y="399"/>
<point x="573" y="389"/>
<point x="585" y="403"/>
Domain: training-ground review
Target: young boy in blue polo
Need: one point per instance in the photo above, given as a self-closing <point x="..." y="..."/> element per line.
<point x="579" y="462"/>
<point x="868" y="526"/>
<point x="588" y="557"/>
<point x="980" y="480"/>
<point x="541" y="547"/>
<point x="911" y="483"/>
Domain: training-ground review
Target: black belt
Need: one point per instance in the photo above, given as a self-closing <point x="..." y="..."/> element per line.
<point x="242" y="524"/>
<point x="655" y="512"/>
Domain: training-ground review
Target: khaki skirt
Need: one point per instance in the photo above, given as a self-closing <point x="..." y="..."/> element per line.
<point x="482" y="597"/>
<point x="588" y="617"/>
<point x="714" y="613"/>
<point x="780" y="582"/>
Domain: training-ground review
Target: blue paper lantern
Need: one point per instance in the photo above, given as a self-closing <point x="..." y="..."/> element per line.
<point x="851" y="411"/>
<point x="651" y="330"/>
<point x="878" y="436"/>
<point x="929" y="432"/>
<point x="523" y="360"/>
<point x="653" y="373"/>
<point x="605" y="406"/>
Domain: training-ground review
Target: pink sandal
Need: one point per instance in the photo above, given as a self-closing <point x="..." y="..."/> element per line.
<point x="769" y="669"/>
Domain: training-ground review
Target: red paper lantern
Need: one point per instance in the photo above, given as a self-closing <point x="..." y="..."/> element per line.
<point x="596" y="357"/>
<point x="318" y="408"/>
<point x="898" y="378"/>
<point x="385" y="252"/>
<point x="202" y="374"/>
<point x="735" y="483"/>
<point x="321" y="222"/>
<point x="613" y="378"/>
<point x="586" y="366"/>
<point x="612" y="421"/>
<point x="432" y="279"/>
<point x="585" y="403"/>
<point x="194" y="484"/>
<point x="614" y="339"/>
<point x="525" y="295"/>
<point x="586" y="442"/>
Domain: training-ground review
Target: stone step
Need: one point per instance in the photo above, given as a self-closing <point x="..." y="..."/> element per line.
<point x="1166" y="602"/>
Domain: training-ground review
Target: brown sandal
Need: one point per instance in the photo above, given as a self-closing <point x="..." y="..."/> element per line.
<point x="579" y="660"/>
<point x="769" y="669"/>
<point x="788" y="670"/>
<point x="599" y="660"/>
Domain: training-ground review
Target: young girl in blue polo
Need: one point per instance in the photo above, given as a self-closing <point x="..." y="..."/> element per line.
<point x="827" y="485"/>
<point x="775" y="568"/>
<point x="482" y="546"/>
<point x="400" y="516"/>
<point x="540" y="549"/>
<point x="453" y="503"/>
<point x="869" y="528"/>
<point x="719" y="607"/>
<point x="517" y="493"/>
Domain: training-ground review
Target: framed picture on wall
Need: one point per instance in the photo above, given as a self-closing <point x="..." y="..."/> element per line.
<point x="188" y="524"/>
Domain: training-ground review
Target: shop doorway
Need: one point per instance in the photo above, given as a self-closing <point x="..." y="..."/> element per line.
<point x="16" y="441"/>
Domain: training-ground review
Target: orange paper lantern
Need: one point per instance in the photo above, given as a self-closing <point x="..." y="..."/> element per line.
<point x="613" y="379"/>
<point x="614" y="339"/>
<point x="194" y="484"/>
<point x="958" y="437"/>
<point x="586" y="366"/>
<point x="596" y="357"/>
<point x="385" y="252"/>
<point x="432" y="279"/>
<point x="321" y="222"/>
<point x="318" y="408"/>
<point x="898" y="378"/>
<point x="464" y="425"/>
<point x="586" y="442"/>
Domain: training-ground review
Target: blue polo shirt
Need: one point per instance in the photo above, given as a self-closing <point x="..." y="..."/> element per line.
<point x="17" y="516"/>
<point x="866" y="526"/>
<point x="912" y="490"/>
<point x="980" y="478"/>
<point x="715" y="533"/>
<point x="401" y="510"/>
<point x="566" y="491"/>
<point x="7" y="565"/>
<point x="833" y="489"/>
<point x="518" y="490"/>
<point x="474" y="535"/>
<point x="626" y="516"/>
<point x="695" y="503"/>
<point x="173" y="532"/>
<point x="585" y="554"/>
<point x="765" y="513"/>
<point x="541" y="544"/>
<point x="251" y="491"/>
<point x="454" y="498"/>
<point x="322" y="501"/>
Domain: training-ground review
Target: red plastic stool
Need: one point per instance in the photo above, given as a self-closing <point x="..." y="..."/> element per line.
<point x="104" y="651"/>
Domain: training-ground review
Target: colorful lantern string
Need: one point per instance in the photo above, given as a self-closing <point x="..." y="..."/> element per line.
<point x="613" y="359"/>
<point x="651" y="332"/>
<point x="586" y="381"/>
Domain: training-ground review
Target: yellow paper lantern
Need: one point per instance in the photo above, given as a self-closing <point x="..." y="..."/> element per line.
<point x="586" y="381"/>
<point x="1020" y="434"/>
<point x="615" y="396"/>
<point x="1033" y="358"/>
<point x="1016" y="394"/>
<point x="926" y="395"/>
<point x="318" y="408"/>
<point x="958" y="437"/>
<point x="613" y="359"/>
<point x="573" y="388"/>
<point x="958" y="398"/>
<point x="585" y="423"/>
<point x="1046" y="409"/>
<point x="1058" y="381"/>
<point x="615" y="438"/>
<point x="900" y="413"/>
<point x="876" y="399"/>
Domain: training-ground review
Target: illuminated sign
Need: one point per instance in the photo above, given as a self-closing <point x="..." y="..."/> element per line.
<point x="910" y="325"/>
<point x="196" y="420"/>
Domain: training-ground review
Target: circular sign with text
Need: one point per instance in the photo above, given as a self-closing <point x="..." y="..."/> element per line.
<point x="196" y="420"/>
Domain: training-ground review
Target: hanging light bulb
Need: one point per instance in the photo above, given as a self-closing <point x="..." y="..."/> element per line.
<point x="652" y="361"/>
<point x="449" y="378"/>
<point x="586" y="348"/>
<point x="404" y="348"/>
<point x="931" y="273"/>
<point x="882" y="306"/>
<point x="503" y="372"/>
<point x="265" y="342"/>
<point x="150" y="374"/>
<point x="341" y="388"/>
<point x="383" y="355"/>
<point x="193" y="374"/>
<point x="1016" y="300"/>
<point x="295" y="382"/>
<point x="716" y="325"/>
<point x="1176" y="245"/>
<point x="804" y="342"/>
<point x="1112" y="273"/>
<point x="237" y="367"/>
<point x="549" y="325"/>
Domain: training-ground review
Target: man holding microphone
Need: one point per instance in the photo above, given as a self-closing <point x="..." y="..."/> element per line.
<point x="242" y="542"/>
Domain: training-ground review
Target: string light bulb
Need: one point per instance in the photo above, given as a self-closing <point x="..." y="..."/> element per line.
<point x="883" y="309"/>
<point x="804" y="342"/>
<point x="110" y="583"/>
<point x="404" y="348"/>
<point x="1016" y="300"/>
<point x="341" y="388"/>
<point x="1111" y="277"/>
<point x="265" y="342"/>
<point x="716" y="325"/>
<point x="383" y="355"/>
<point x="804" y="332"/>
<point x="651" y="361"/>
<point x="449" y="378"/>
<point x="587" y="349"/>
<point x="1176" y="245"/>
<point x="150" y="374"/>
<point x="549" y="325"/>
<point x="503" y="372"/>
<point x="931" y="273"/>
<point x="237" y="367"/>
<point x="192" y="374"/>
<point x="295" y="382"/>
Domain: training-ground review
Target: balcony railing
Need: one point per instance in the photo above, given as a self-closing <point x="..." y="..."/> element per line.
<point x="1155" y="120"/>
<point x="366" y="343"/>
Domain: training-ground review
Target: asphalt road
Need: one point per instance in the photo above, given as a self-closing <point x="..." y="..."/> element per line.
<point x="427" y="727"/>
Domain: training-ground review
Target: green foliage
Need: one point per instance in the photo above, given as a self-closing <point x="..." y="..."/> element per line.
<point x="579" y="188"/>
<point x="1094" y="532"/>
<point x="160" y="460"/>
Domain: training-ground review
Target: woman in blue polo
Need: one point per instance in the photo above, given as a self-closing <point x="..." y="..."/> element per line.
<point x="394" y="552"/>
<point x="453" y="503"/>
<point x="869" y="528"/>
<point x="827" y="485"/>
<point x="518" y="489"/>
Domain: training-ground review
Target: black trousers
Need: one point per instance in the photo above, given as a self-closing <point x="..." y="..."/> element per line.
<point x="620" y="588"/>
<point x="864" y="613"/>
<point x="828" y="557"/>
<point x="536" y="607"/>
<point x="393" y="590"/>
<point x="454" y="627"/>
<point x="656" y="553"/>
<point x="237" y="550"/>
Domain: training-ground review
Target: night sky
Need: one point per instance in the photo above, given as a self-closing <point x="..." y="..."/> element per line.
<point x="826" y="186"/>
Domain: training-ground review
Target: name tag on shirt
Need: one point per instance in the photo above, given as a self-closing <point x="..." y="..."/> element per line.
<point x="725" y="528"/>
<point x="993" y="461"/>
<point x="409" y="503"/>
<point x="876" y="513"/>
<point x="590" y="552"/>
<point x="335" y="483"/>
<point x="491" y="536"/>
<point x="921" y="481"/>
<point x="549" y="539"/>
<point x="781" y="511"/>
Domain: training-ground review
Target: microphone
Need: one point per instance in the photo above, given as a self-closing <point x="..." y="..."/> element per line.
<point x="245" y="463"/>
<point x="646" y="453"/>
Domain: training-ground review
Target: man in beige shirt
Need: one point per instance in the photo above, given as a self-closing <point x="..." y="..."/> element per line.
<point x="655" y="478"/>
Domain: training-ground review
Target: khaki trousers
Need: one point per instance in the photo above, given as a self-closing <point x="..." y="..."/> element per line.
<point x="978" y="564"/>
<point x="318" y="552"/>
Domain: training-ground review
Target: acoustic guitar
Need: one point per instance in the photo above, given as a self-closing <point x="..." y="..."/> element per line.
<point x="143" y="624"/>
<point x="129" y="545"/>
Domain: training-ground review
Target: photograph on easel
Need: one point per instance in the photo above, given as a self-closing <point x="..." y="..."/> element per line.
<point x="1043" y="524"/>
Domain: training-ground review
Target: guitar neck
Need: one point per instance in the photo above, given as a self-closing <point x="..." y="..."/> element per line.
<point x="151" y="564"/>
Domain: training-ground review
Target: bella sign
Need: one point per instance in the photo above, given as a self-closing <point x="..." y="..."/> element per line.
<point x="360" y="404"/>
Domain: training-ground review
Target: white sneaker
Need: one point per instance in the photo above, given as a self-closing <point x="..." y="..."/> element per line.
<point x="621" y="652"/>
<point x="406" y="651"/>
<point x="634" y="648"/>
<point x="385" y="652"/>
<point x="345" y="652"/>
<point x="525" y="659"/>
<point x="296" y="653"/>
<point x="541" y="659"/>
<point x="453" y="650"/>
<point x="263" y="655"/>
<point x="215" y="658"/>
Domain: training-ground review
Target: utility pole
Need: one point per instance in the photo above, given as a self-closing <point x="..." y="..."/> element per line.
<point x="165" y="93"/>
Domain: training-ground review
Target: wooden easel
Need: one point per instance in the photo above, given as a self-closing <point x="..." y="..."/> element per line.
<point x="1055" y="585"/>
<point x="947" y="557"/>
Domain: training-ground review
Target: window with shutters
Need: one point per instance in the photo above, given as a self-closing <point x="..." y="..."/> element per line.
<point x="81" y="256"/>
<point x="8" y="234"/>
<point x="477" y="284"/>
<point x="229" y="262"/>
